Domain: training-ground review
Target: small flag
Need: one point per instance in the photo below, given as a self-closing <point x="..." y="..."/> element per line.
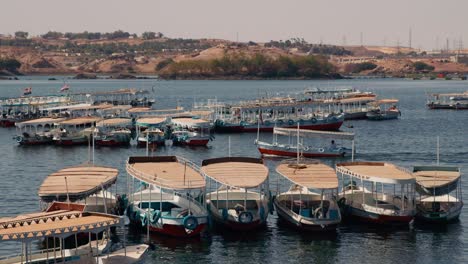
<point x="65" y="87"/>
<point x="27" y="91"/>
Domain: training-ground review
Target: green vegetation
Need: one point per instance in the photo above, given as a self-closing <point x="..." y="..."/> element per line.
<point x="21" y="34"/>
<point x="11" y="65"/>
<point x="359" y="67"/>
<point x="151" y="35"/>
<point x="258" y="66"/>
<point x="163" y="64"/>
<point x="304" y="46"/>
<point x="422" y="66"/>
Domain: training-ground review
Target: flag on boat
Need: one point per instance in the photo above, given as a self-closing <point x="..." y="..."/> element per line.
<point x="65" y="87"/>
<point x="27" y="91"/>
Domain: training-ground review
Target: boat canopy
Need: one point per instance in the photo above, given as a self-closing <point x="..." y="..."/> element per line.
<point x="80" y="120"/>
<point x="309" y="174"/>
<point x="365" y="99"/>
<point x="139" y="109"/>
<point x="237" y="172"/>
<point x="77" y="183"/>
<point x="114" y="122"/>
<point x="191" y="122"/>
<point x="151" y="121"/>
<point x="450" y="94"/>
<point x="440" y="199"/>
<point x="66" y="107"/>
<point x="40" y="121"/>
<point x="56" y="223"/>
<point x="376" y="171"/>
<point x="385" y="101"/>
<point x="91" y="107"/>
<point x="169" y="172"/>
<point x="436" y="180"/>
<point x="312" y="133"/>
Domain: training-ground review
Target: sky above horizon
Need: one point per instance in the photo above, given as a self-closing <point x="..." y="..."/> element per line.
<point x="317" y="21"/>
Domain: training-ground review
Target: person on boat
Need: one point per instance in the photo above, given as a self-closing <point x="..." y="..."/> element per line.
<point x="333" y="144"/>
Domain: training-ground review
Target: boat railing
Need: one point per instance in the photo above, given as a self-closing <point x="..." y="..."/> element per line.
<point x="33" y="252"/>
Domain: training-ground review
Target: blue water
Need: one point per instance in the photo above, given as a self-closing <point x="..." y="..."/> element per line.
<point x="408" y="141"/>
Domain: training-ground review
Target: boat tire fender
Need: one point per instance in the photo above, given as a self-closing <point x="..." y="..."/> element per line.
<point x="190" y="222"/>
<point x="318" y="213"/>
<point x="155" y="217"/>
<point x="341" y="202"/>
<point x="313" y="120"/>
<point x="291" y="122"/>
<point x="321" y="150"/>
<point x="245" y="217"/>
<point x="19" y="139"/>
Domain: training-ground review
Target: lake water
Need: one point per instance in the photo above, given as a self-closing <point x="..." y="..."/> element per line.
<point x="408" y="141"/>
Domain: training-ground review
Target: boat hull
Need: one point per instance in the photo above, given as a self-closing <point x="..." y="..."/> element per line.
<point x="387" y="115"/>
<point x="328" y="124"/>
<point x="374" y="218"/>
<point x="304" y="225"/>
<point x="71" y="142"/>
<point x="112" y="143"/>
<point x="178" y="230"/>
<point x="286" y="153"/>
<point x="355" y="115"/>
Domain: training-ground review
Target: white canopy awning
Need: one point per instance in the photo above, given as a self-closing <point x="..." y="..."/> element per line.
<point x="313" y="133"/>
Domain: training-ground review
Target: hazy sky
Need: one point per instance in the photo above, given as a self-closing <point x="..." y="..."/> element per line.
<point x="329" y="21"/>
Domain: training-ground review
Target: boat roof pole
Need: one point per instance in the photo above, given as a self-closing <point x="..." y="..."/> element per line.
<point x="438" y="152"/>
<point x="68" y="196"/>
<point x="258" y="125"/>
<point x="297" y="143"/>
<point x="93" y="143"/>
<point x="352" y="151"/>
<point x="229" y="146"/>
<point x="147" y="142"/>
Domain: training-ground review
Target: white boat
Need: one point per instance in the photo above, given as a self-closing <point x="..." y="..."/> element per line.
<point x="150" y="131"/>
<point x="190" y="138"/>
<point x="151" y="137"/>
<point x="389" y="199"/>
<point x="114" y="132"/>
<point x="75" y="131"/>
<point x="37" y="131"/>
<point x="440" y="193"/>
<point x="60" y="222"/>
<point x="239" y="196"/>
<point x="384" y="109"/>
<point x="300" y="206"/>
<point x="170" y="199"/>
<point x="86" y="184"/>
<point x="291" y="149"/>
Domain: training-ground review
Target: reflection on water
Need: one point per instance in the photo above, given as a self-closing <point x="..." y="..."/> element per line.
<point x="405" y="142"/>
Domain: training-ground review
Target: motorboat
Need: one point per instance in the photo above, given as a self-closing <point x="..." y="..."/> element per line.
<point x="291" y="148"/>
<point x="63" y="222"/>
<point x="384" y="109"/>
<point x="151" y="137"/>
<point x="75" y="131"/>
<point x="85" y="184"/>
<point x="150" y="131"/>
<point x="454" y="101"/>
<point x="37" y="131"/>
<point x="310" y="202"/>
<point x="376" y="192"/>
<point x="239" y="197"/>
<point x="168" y="195"/>
<point x="189" y="138"/>
<point x="440" y="193"/>
<point x="114" y="132"/>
